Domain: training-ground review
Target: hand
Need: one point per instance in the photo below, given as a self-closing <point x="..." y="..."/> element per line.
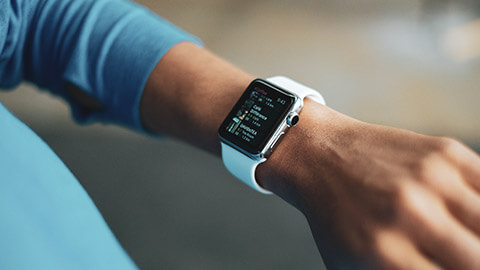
<point x="374" y="196"/>
<point x="378" y="197"/>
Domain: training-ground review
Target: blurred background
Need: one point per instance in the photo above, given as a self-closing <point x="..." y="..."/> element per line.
<point x="405" y="63"/>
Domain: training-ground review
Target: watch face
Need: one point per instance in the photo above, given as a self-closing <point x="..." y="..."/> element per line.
<point x="256" y="116"/>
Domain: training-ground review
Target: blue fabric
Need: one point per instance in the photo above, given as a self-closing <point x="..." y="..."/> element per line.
<point x="47" y="221"/>
<point x="107" y="48"/>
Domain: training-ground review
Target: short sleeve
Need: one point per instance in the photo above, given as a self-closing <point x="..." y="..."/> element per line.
<point x="106" y="48"/>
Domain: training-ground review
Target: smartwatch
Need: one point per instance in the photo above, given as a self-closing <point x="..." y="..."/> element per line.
<point x="257" y="122"/>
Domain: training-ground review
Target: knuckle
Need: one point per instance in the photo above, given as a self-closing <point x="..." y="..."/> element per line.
<point x="384" y="249"/>
<point x="426" y="168"/>
<point x="449" y="147"/>
<point x="378" y="244"/>
<point x="429" y="167"/>
<point x="411" y="204"/>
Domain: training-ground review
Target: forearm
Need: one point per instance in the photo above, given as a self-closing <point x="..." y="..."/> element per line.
<point x="191" y="91"/>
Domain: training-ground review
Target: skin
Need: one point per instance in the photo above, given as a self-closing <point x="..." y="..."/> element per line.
<point x="375" y="197"/>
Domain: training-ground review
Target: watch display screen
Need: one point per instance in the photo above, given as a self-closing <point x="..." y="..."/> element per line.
<point x="255" y="116"/>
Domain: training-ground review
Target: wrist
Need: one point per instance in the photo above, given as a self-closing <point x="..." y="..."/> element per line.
<point x="306" y="155"/>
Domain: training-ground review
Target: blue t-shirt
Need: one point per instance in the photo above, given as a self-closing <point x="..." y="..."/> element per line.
<point x="106" y="48"/>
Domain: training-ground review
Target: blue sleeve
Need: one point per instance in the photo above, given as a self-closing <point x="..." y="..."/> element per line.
<point x="47" y="220"/>
<point x="106" y="48"/>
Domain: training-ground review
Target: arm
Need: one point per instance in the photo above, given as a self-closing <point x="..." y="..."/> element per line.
<point x="96" y="54"/>
<point x="370" y="193"/>
<point x="373" y="195"/>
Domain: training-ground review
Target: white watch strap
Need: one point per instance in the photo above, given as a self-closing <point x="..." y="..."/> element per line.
<point x="242" y="166"/>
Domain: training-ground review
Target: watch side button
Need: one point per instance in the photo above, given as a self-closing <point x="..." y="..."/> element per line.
<point x="275" y="143"/>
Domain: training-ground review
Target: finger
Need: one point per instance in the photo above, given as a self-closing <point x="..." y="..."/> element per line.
<point x="398" y="252"/>
<point x="461" y="200"/>
<point x="464" y="204"/>
<point x="452" y="246"/>
<point x="438" y="233"/>
<point x="467" y="160"/>
<point x="471" y="172"/>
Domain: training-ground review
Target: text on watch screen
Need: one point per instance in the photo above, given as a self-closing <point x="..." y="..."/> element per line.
<point x="255" y="117"/>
